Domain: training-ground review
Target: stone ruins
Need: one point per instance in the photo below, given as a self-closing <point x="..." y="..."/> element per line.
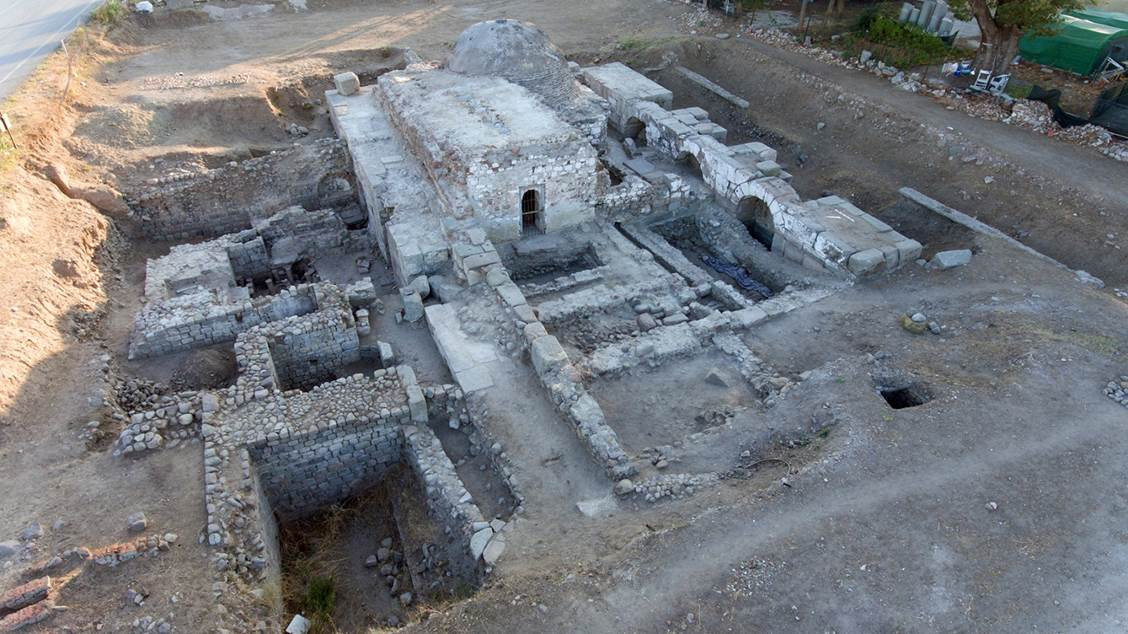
<point x="513" y="208"/>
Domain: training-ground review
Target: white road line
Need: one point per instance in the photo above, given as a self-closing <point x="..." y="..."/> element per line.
<point x="53" y="37"/>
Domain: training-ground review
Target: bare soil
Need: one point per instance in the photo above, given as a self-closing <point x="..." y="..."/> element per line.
<point x="884" y="529"/>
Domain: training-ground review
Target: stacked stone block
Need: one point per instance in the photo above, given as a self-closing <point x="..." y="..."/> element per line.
<point x="562" y="380"/>
<point x="313" y="469"/>
<point x="200" y="319"/>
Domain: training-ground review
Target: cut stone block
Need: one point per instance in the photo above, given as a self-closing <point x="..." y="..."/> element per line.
<point x="346" y="83"/>
<point x="412" y="306"/>
<point x="548" y="354"/>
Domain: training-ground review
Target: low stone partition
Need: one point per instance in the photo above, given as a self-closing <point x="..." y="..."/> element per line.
<point x="657" y="346"/>
<point x="228" y="199"/>
<point x="176" y="421"/>
<point x="562" y="380"/>
<point x="205" y="318"/>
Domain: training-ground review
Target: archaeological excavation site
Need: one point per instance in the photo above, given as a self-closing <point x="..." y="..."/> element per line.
<point x="522" y="317"/>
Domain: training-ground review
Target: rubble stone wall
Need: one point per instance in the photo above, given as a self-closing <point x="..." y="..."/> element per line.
<point x="196" y="320"/>
<point x="563" y="176"/>
<point x="229" y="198"/>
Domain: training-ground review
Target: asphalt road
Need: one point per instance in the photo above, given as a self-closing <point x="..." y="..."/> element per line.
<point x="29" y="30"/>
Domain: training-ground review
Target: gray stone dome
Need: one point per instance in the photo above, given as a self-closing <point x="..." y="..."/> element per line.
<point x="517" y="51"/>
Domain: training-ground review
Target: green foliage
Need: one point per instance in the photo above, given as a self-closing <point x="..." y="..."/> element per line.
<point x="868" y="15"/>
<point x="321" y="597"/>
<point x="752" y="6"/>
<point x="1019" y="14"/>
<point x="905" y="46"/>
<point x="1018" y="89"/>
<point x="109" y="14"/>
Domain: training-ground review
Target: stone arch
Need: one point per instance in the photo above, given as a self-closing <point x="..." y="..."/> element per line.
<point x="690" y="160"/>
<point x="335" y="189"/>
<point x="635" y="129"/>
<point x="757" y="217"/>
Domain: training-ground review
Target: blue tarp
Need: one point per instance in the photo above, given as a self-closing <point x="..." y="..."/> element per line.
<point x="737" y="272"/>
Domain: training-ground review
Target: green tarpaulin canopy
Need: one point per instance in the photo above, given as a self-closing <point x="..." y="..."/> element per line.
<point x="1108" y="18"/>
<point x="1075" y="44"/>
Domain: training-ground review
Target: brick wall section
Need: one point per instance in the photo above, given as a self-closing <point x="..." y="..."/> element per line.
<point x="30" y="615"/>
<point x="227" y="199"/>
<point x="26" y="594"/>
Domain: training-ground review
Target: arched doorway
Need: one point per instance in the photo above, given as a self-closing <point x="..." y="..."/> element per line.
<point x="757" y="218"/>
<point x="532" y="207"/>
<point x="690" y="161"/>
<point x="635" y="129"/>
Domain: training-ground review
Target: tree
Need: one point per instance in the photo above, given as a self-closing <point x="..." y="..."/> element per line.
<point x="1003" y="22"/>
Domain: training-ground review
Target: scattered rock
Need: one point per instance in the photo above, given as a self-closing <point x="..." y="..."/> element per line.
<point x="346" y="84"/>
<point x="9" y="548"/>
<point x="478" y="542"/>
<point x="991" y="506"/>
<point x="33" y="531"/>
<point x="137" y="522"/>
<point x="298" y="625"/>
<point x="1090" y="279"/>
<point x="493" y="551"/>
<point x="950" y="259"/>
<point x="917" y="328"/>
<point x="714" y="377"/>
<point x="624" y="487"/>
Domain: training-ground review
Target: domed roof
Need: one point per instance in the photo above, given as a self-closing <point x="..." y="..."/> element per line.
<point x="517" y="51"/>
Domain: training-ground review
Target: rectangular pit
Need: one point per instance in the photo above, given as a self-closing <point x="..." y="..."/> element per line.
<point x="684" y="235"/>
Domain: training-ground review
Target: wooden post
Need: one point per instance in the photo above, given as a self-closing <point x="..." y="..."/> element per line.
<point x="8" y="129"/>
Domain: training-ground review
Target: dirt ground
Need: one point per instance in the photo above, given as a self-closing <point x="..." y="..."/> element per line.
<point x="886" y="526"/>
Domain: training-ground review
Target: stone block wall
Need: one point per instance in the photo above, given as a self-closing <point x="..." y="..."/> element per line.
<point x="747" y="174"/>
<point x="248" y="255"/>
<point x="202" y="319"/>
<point x="562" y="379"/>
<point x="307" y="350"/>
<point x="319" y="467"/>
<point x="622" y="87"/>
<point x="563" y="174"/>
<point x="230" y="198"/>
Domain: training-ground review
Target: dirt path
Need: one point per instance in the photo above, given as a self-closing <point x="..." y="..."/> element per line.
<point x="1071" y="165"/>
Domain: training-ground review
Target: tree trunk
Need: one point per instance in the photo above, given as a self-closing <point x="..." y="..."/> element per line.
<point x="1005" y="51"/>
<point x="997" y="44"/>
<point x="802" y="13"/>
<point x="997" y="48"/>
